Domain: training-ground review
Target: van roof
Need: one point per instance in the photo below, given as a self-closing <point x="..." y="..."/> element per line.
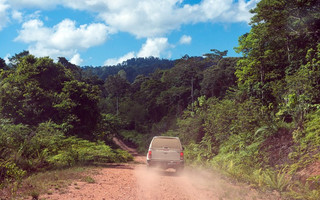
<point x="168" y="137"/>
<point x="165" y="142"/>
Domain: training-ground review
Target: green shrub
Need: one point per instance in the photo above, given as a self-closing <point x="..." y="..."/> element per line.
<point x="34" y="195"/>
<point x="10" y="172"/>
<point x="301" y="191"/>
<point x="277" y="180"/>
<point x="13" y="140"/>
<point x="88" y="179"/>
<point x="226" y="118"/>
<point x="193" y="154"/>
<point x="141" y="141"/>
<point x="75" y="150"/>
<point x="307" y="141"/>
<point x="24" y="149"/>
<point x="123" y="156"/>
<point x="312" y="130"/>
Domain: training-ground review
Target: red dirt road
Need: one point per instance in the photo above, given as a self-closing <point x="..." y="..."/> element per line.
<point x="135" y="181"/>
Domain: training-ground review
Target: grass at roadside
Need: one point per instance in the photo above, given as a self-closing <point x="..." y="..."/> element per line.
<point x="48" y="182"/>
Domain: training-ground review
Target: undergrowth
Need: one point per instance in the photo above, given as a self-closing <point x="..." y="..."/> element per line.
<point x="41" y="183"/>
<point x="140" y="141"/>
<point x="25" y="151"/>
<point x="249" y="148"/>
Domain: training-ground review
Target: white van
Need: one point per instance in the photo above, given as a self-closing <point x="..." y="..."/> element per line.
<point x="165" y="152"/>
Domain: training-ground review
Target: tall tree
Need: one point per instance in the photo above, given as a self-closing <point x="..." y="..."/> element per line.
<point x="3" y="64"/>
<point x="116" y="86"/>
<point x="28" y="93"/>
<point x="77" y="107"/>
<point x="218" y="78"/>
<point x="303" y="88"/>
<point x="147" y="96"/>
<point x="14" y="60"/>
<point x="268" y="57"/>
<point x="216" y="55"/>
<point x="39" y="90"/>
<point x="76" y="70"/>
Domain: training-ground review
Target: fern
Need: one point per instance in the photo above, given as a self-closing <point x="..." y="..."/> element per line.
<point x="276" y="180"/>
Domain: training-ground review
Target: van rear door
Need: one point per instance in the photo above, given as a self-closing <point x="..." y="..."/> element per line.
<point x="166" y="149"/>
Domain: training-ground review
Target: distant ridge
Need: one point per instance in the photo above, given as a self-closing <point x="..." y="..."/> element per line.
<point x="133" y="67"/>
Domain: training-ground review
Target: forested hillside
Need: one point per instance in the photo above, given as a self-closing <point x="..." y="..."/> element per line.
<point x="255" y="118"/>
<point x="50" y="119"/>
<point x="133" y="67"/>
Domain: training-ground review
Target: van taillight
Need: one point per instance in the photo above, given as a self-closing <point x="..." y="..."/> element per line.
<point x="149" y="154"/>
<point x="181" y="155"/>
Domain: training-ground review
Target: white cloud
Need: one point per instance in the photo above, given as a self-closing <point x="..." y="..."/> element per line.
<point x="154" y="47"/>
<point x="34" y="31"/>
<point x="6" y="58"/>
<point x="185" y="39"/>
<point x="241" y="10"/>
<point x="66" y="35"/>
<point x="144" y="18"/>
<point x="63" y="39"/>
<point x="115" y="61"/>
<point x="16" y="15"/>
<point x="34" y="15"/>
<point x="3" y="13"/>
<point x="155" y="18"/>
<point x="76" y="59"/>
<point x="211" y="10"/>
<point x="49" y="4"/>
<point x="152" y="18"/>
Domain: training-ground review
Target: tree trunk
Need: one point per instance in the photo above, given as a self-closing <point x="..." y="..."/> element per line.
<point x="262" y="77"/>
<point x="288" y="51"/>
<point x="192" y="94"/>
<point x="117" y="105"/>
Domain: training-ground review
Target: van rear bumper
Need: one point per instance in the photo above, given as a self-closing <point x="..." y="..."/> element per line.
<point x="165" y="164"/>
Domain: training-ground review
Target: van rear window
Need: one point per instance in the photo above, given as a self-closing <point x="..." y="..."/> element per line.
<point x="166" y="142"/>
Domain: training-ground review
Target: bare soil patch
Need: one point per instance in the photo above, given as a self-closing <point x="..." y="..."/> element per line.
<point x="136" y="181"/>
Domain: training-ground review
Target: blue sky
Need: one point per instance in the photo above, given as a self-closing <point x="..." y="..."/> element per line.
<point x="107" y="32"/>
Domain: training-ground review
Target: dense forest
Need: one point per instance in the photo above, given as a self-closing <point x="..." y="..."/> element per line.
<point x="133" y="67"/>
<point x="255" y="118"/>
